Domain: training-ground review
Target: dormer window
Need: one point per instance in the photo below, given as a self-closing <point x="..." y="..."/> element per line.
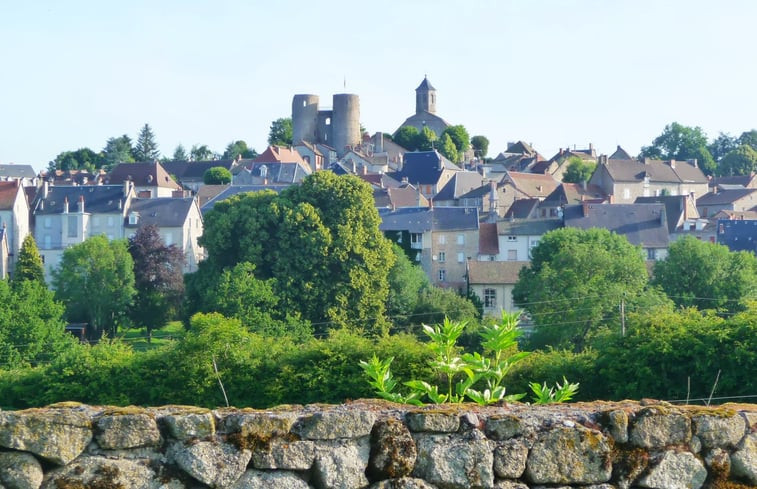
<point x="133" y="218"/>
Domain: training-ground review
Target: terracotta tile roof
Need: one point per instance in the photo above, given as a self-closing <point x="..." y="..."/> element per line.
<point x="488" y="240"/>
<point x="494" y="272"/>
<point x="280" y="154"/>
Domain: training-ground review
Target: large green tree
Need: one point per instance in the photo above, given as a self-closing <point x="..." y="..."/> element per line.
<point x="280" y="133"/>
<point x="722" y="145"/>
<point x="95" y="281"/>
<point x="158" y="279"/>
<point x="319" y="240"/>
<point x="29" y="265"/>
<point x="180" y="154"/>
<point x="216" y="175"/>
<point x="480" y="146"/>
<point x="461" y="138"/>
<point x="407" y="137"/>
<point x="740" y="161"/>
<point x="447" y="148"/>
<point x="237" y="149"/>
<point x="117" y="150"/>
<point x="81" y="159"/>
<point x="200" y="153"/>
<point x="146" y="148"/>
<point x="707" y="275"/>
<point x="426" y="140"/>
<point x="749" y="137"/>
<point x="576" y="282"/>
<point x="679" y="142"/>
<point x="578" y="170"/>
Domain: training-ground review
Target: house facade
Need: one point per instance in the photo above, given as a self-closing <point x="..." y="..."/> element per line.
<point x="493" y="283"/>
<point x="14" y="218"/>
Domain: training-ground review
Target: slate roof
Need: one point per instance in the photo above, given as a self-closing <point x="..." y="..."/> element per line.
<point x="641" y="224"/>
<point x="207" y="192"/>
<point x="195" y="170"/>
<point x="724" y="196"/>
<point x="380" y="180"/>
<point x="735" y="215"/>
<point x="425" y="85"/>
<point x="494" y="272"/>
<point x="620" y="154"/>
<point x="527" y="227"/>
<point x="419" y="220"/>
<point x="740" y="180"/>
<point x="98" y="199"/>
<point x="521" y="147"/>
<point x="8" y="192"/>
<point x="143" y="174"/>
<point x="573" y="193"/>
<point x="239" y="189"/>
<point x="488" y="240"/>
<point x="17" y="171"/>
<point x="164" y="212"/>
<point x="460" y="184"/>
<point x="674" y="207"/>
<point x="280" y="172"/>
<point x="522" y="208"/>
<point x="398" y="197"/>
<point x="656" y="170"/>
<point x="532" y="184"/>
<point x="423" y="167"/>
<point x="738" y="235"/>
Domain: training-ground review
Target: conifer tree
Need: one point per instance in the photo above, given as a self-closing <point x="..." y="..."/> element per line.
<point x="29" y="266"/>
<point x="146" y="148"/>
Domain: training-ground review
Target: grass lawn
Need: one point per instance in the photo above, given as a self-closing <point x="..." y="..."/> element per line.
<point x="137" y="338"/>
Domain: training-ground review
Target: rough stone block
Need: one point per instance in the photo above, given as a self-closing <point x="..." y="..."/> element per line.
<point x="100" y="472"/>
<point x="504" y="427"/>
<point x="402" y="483"/>
<point x="127" y="431"/>
<point x="341" y="464"/>
<point x="393" y="450"/>
<point x="433" y="422"/>
<point x="334" y="424"/>
<point x="655" y="429"/>
<point x="57" y="435"/>
<point x="186" y="426"/>
<point x="282" y="454"/>
<point x="258" y="479"/>
<point x="744" y="459"/>
<point x="719" y="431"/>
<point x="675" y="470"/>
<point x="570" y="456"/>
<point x="217" y="465"/>
<point x="510" y="459"/>
<point x="20" y="471"/>
<point x="465" y="460"/>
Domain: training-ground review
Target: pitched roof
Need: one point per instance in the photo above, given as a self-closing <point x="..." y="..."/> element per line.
<point x="232" y="190"/>
<point x="164" y="212"/>
<point x="738" y="235"/>
<point x="522" y="208"/>
<point x="460" y="184"/>
<point x="279" y="154"/>
<point x="398" y="197"/>
<point x="425" y="85"/>
<point x="8" y="193"/>
<point x="143" y="174"/>
<point x="193" y="170"/>
<point x="520" y="147"/>
<point x="620" y="154"/>
<point x="674" y="207"/>
<point x="207" y="192"/>
<point x="741" y="180"/>
<point x="423" y="167"/>
<point x="419" y="220"/>
<point x="725" y="196"/>
<point x="280" y="172"/>
<point x="527" y="227"/>
<point x="573" y="193"/>
<point x="657" y="171"/>
<point x="641" y="224"/>
<point x="17" y="171"/>
<point x="98" y="199"/>
<point x="495" y="272"/>
<point x="532" y="184"/>
<point x="735" y="215"/>
<point x="488" y="241"/>
<point x="381" y="180"/>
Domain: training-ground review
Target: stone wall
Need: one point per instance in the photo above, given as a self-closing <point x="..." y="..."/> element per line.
<point x="381" y="446"/>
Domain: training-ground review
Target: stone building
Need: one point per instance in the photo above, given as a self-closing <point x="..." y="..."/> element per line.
<point x="338" y="127"/>
<point x="425" y="110"/>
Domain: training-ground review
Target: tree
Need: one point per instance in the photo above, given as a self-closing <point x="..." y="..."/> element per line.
<point x="460" y="137"/>
<point x="29" y="265"/>
<point x="180" y="154"/>
<point x="740" y="161"/>
<point x="722" y="145"/>
<point x="117" y="150"/>
<point x="679" y="142"/>
<point x="319" y="240"/>
<point x="706" y="275"/>
<point x="200" y="153"/>
<point x="447" y="148"/>
<point x="81" y="159"/>
<point x="426" y="139"/>
<point x="575" y="283"/>
<point x="158" y="279"/>
<point x="146" y="148"/>
<point x="95" y="281"/>
<point x="480" y="146"/>
<point x="578" y="170"/>
<point x="749" y="137"/>
<point x="280" y="133"/>
<point x="217" y="175"/>
<point x="407" y="137"/>
<point x="237" y="149"/>
<point x="406" y="280"/>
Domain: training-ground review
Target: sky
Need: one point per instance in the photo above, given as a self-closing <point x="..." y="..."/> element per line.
<point x="553" y="73"/>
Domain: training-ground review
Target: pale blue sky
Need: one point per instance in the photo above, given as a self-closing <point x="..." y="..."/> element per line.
<point x="553" y="73"/>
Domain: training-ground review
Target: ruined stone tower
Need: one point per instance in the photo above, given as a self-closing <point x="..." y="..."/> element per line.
<point x="338" y="127"/>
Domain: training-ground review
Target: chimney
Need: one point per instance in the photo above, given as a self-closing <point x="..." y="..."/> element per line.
<point x="363" y="170"/>
<point x="663" y="219"/>
<point x="583" y="185"/>
<point x="493" y="198"/>
<point x="672" y="163"/>
<point x="81" y="204"/>
<point x="379" y="142"/>
<point x="127" y="187"/>
<point x="65" y="205"/>
<point x="585" y="209"/>
<point x="45" y="189"/>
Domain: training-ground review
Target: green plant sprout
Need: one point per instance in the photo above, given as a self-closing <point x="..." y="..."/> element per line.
<point x="461" y="373"/>
<point x="548" y="395"/>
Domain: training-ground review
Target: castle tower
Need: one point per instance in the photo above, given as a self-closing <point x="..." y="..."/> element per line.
<point x="304" y="118"/>
<point x="425" y="97"/>
<point x="345" y="127"/>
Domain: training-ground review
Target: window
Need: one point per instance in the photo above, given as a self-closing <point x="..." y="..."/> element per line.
<point x="442" y="239"/>
<point x="460" y="257"/>
<point x="73" y="228"/>
<point x="512" y="238"/>
<point x="626" y="193"/>
<point x="48" y="242"/>
<point x="512" y="255"/>
<point x="133" y="218"/>
<point x="415" y="239"/>
<point x="48" y="221"/>
<point x="442" y="275"/>
<point x="650" y="254"/>
<point x="490" y="298"/>
<point x="461" y="239"/>
<point x="442" y="257"/>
